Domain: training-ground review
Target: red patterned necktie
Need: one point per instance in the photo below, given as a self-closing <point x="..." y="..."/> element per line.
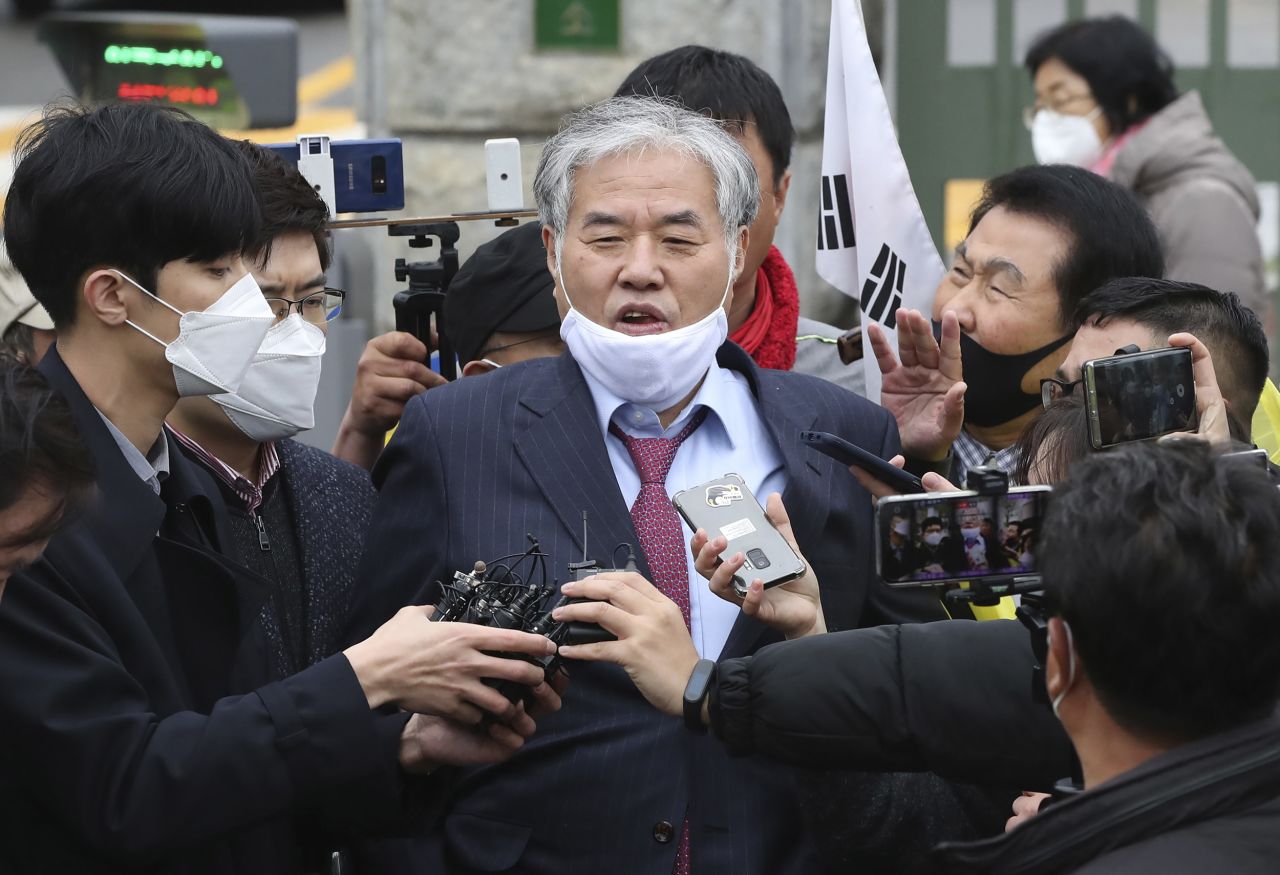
<point x="662" y="538"/>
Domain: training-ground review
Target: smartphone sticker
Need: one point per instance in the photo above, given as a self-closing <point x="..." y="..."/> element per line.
<point x="722" y="495"/>
<point x="738" y="529"/>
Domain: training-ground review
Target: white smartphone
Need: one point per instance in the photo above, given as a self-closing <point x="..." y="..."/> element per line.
<point x="502" y="174"/>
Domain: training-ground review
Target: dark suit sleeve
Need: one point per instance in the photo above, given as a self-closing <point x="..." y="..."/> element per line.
<point x="953" y="698"/>
<point x="80" y="734"/>
<point x="887" y="604"/>
<point x="408" y="535"/>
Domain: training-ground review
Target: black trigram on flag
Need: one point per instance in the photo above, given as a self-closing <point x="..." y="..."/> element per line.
<point x="883" y="289"/>
<point x="835" y="220"/>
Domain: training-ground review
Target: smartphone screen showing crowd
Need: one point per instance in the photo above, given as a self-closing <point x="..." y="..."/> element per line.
<point x="947" y="538"/>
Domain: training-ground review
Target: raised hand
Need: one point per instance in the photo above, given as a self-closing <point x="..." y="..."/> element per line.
<point x="389" y="374"/>
<point x="1211" y="407"/>
<point x="923" y="387"/>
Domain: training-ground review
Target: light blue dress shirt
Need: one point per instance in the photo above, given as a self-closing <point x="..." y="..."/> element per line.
<point x="152" y="468"/>
<point x="733" y="440"/>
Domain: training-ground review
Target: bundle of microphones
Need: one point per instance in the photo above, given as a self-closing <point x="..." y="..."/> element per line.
<point x="497" y="595"/>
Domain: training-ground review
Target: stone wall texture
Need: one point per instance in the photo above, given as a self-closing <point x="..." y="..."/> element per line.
<point x="454" y="74"/>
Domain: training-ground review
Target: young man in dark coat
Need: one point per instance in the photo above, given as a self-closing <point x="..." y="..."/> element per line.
<point x="141" y="728"/>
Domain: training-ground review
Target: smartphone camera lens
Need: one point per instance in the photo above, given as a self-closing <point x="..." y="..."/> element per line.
<point x="379" y="174"/>
<point x="757" y="558"/>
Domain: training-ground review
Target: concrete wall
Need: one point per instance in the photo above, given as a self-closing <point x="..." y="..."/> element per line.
<point x="446" y="76"/>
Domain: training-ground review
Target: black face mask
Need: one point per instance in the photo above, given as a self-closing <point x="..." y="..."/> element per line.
<point x="995" y="393"/>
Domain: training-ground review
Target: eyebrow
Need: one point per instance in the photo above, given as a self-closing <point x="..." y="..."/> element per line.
<point x="1061" y="374"/>
<point x="683" y="217"/>
<point x="995" y="264"/>
<point x="277" y="288"/>
<point x="689" y="218"/>
<point x="595" y="218"/>
<point x="1000" y="264"/>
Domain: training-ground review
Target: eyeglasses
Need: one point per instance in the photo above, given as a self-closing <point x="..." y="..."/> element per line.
<point x="1051" y="390"/>
<point x="317" y="308"/>
<point x="1057" y="105"/>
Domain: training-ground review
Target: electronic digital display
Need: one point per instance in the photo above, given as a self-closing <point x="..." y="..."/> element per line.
<point x="184" y="74"/>
<point x="230" y="72"/>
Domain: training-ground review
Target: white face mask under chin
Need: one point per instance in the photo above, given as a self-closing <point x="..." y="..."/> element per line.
<point x="277" y="397"/>
<point x="1071" y="672"/>
<point x="1057" y="138"/>
<point x="216" y="345"/>
<point x="653" y="370"/>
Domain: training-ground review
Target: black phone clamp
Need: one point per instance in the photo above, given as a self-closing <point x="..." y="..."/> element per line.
<point x="428" y="283"/>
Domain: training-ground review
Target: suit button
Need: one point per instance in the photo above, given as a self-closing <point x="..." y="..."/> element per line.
<point x="663" y="831"/>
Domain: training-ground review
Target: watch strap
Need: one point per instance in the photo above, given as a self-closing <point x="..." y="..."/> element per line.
<point x="695" y="693"/>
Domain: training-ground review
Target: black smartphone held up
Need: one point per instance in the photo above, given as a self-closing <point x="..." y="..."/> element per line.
<point x="1139" y="396"/>
<point x="1256" y="456"/>
<point x="725" y="506"/>
<point x="851" y="454"/>
<point x="953" y="537"/>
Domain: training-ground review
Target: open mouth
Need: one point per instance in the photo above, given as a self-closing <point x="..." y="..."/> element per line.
<point x="640" y="320"/>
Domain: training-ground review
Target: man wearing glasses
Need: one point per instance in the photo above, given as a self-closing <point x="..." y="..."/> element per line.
<point x="298" y="516"/>
<point x="1145" y="312"/>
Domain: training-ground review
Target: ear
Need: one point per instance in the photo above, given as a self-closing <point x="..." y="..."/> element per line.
<point x="744" y="237"/>
<point x="780" y="194"/>
<point x="549" y="243"/>
<point x="104" y="292"/>
<point x="475" y="368"/>
<point x="1058" y="660"/>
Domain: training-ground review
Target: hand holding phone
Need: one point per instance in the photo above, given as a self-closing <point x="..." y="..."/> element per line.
<point x="1140" y="396"/>
<point x="852" y="455"/>
<point x="1211" y="407"/>
<point x="793" y="608"/>
<point x="725" y="507"/>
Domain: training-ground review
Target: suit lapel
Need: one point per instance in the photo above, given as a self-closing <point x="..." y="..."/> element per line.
<point x="562" y="448"/>
<point x="564" y="452"/>
<point x="807" y="496"/>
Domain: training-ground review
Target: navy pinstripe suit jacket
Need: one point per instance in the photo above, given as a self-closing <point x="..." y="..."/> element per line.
<point x="476" y="465"/>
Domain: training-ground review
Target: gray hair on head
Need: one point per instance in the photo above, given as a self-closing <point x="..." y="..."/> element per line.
<point x="623" y="125"/>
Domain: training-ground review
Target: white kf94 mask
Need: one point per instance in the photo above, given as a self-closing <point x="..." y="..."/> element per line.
<point x="277" y="397"/>
<point x="214" y="346"/>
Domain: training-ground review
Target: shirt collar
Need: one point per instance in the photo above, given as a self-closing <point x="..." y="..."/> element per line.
<point x="715" y="393"/>
<point x="152" y="468"/>
<point x="972" y="453"/>
<point x="250" y="493"/>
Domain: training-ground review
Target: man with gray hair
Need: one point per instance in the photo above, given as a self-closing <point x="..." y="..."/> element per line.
<point x="645" y="209"/>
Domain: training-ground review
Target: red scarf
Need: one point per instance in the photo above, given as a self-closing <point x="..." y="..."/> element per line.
<point x="769" y="334"/>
